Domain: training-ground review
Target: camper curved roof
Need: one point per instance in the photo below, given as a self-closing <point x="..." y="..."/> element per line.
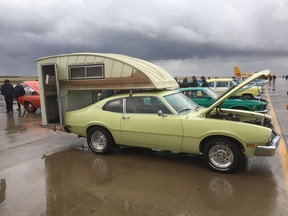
<point x="119" y="71"/>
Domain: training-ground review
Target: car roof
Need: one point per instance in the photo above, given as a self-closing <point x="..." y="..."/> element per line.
<point x="136" y="93"/>
<point x="219" y="79"/>
<point x="193" y="88"/>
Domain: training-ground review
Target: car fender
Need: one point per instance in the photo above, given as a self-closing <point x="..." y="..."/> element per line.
<point x="197" y="132"/>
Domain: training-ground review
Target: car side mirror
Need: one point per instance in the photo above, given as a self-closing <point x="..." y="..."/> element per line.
<point x="160" y="113"/>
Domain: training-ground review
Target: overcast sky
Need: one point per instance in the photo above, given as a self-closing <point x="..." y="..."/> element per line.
<point x="185" y="37"/>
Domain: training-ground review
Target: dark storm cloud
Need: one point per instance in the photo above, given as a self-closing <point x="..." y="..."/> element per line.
<point x="171" y="33"/>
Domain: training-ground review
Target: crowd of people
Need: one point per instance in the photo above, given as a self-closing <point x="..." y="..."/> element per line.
<point x="9" y="92"/>
<point x="195" y="83"/>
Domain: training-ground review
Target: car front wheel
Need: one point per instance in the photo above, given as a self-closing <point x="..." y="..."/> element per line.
<point x="100" y="140"/>
<point x="221" y="155"/>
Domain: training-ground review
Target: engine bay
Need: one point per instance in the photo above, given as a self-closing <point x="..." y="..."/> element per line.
<point x="241" y="116"/>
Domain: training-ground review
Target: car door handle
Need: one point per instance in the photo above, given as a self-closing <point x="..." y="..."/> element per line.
<point x="126" y="117"/>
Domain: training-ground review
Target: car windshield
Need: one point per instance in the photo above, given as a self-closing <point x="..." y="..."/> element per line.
<point x="211" y="93"/>
<point x="180" y="102"/>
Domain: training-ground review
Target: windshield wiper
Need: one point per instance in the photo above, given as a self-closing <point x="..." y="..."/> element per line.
<point x="183" y="110"/>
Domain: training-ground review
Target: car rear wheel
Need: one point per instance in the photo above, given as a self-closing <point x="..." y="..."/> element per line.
<point x="99" y="140"/>
<point x="29" y="106"/>
<point x="221" y="155"/>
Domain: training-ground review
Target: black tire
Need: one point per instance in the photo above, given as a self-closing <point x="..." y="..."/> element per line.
<point x="221" y="155"/>
<point x="100" y="140"/>
<point x="29" y="106"/>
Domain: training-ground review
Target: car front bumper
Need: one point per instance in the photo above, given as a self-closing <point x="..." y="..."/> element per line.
<point x="270" y="148"/>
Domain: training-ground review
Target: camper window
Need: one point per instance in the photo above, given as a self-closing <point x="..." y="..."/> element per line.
<point x="95" y="72"/>
<point x="82" y="72"/>
<point x="77" y="73"/>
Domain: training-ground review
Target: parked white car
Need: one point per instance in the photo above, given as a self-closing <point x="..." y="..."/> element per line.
<point x="221" y="85"/>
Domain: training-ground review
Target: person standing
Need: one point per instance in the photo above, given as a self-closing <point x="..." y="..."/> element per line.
<point x="274" y="78"/>
<point x="194" y="82"/>
<point x="106" y="93"/>
<point x="7" y="92"/>
<point x="204" y="82"/>
<point x="18" y="92"/>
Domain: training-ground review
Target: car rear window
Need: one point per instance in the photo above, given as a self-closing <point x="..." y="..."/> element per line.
<point x="114" y="106"/>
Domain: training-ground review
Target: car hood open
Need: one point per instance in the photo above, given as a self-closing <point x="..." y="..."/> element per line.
<point x="236" y="89"/>
<point x="33" y="85"/>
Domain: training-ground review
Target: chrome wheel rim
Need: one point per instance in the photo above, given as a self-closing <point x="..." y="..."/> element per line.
<point x="30" y="106"/>
<point x="221" y="156"/>
<point x="98" y="141"/>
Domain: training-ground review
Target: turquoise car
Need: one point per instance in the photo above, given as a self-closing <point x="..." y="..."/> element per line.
<point x="206" y="97"/>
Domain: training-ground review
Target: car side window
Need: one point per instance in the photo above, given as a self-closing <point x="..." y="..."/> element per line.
<point x="204" y="94"/>
<point x="232" y="83"/>
<point x="145" y="105"/>
<point x="222" y="84"/>
<point x="114" y="106"/>
<point x="200" y="94"/>
<point x="133" y="103"/>
<point x="190" y="93"/>
<point x="211" y="84"/>
<point x="193" y="94"/>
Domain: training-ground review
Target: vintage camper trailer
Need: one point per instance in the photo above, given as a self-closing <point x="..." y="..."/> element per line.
<point x="73" y="81"/>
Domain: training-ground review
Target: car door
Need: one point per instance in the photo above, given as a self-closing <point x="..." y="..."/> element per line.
<point x="143" y="126"/>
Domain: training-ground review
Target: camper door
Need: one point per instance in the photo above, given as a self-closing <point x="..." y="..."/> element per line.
<point x="51" y="110"/>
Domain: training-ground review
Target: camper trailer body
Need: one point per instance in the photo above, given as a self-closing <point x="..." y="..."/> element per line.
<point x="73" y="81"/>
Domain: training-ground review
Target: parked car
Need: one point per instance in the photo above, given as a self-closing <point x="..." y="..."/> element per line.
<point x="30" y="87"/>
<point x="260" y="83"/>
<point x="168" y="120"/>
<point x="221" y="85"/>
<point x="31" y="102"/>
<point x="206" y="96"/>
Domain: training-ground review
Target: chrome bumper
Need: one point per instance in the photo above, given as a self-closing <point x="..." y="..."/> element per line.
<point x="271" y="147"/>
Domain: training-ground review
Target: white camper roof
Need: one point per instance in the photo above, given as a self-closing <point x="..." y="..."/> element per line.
<point x="119" y="72"/>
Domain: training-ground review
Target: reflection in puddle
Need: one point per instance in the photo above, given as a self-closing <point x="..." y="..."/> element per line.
<point x="131" y="182"/>
<point x="100" y="170"/>
<point x="222" y="187"/>
<point x="2" y="190"/>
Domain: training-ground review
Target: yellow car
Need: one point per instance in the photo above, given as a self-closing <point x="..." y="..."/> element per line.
<point x="168" y="120"/>
<point x="221" y="85"/>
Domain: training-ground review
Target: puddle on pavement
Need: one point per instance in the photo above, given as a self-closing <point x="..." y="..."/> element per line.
<point x="133" y="182"/>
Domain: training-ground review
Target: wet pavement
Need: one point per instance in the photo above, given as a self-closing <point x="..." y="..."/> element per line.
<point x="43" y="172"/>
